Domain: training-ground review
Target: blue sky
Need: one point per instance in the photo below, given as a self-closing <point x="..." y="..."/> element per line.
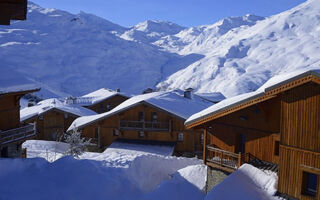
<point x="183" y="12"/>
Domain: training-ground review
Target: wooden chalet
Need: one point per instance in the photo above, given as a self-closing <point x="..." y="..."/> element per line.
<point x="99" y="101"/>
<point x="53" y="117"/>
<point x="12" y="10"/>
<point x="12" y="132"/>
<point x="275" y="128"/>
<point x="157" y="116"/>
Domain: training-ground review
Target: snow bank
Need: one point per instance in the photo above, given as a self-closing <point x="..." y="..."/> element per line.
<point x="248" y="183"/>
<point x="114" y="174"/>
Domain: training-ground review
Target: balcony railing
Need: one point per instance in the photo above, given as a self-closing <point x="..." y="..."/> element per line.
<point x="144" y="125"/>
<point x="223" y="159"/>
<point x="17" y="134"/>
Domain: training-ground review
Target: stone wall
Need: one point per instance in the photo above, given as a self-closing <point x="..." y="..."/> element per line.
<point x="214" y="177"/>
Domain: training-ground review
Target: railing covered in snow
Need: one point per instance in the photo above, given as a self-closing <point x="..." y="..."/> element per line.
<point x="145" y="125"/>
<point x="223" y="159"/>
<point x="14" y="135"/>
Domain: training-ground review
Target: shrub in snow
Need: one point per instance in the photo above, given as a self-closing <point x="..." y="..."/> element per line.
<point x="77" y="145"/>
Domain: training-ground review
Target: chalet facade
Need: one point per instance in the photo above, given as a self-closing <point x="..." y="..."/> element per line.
<point x="100" y="101"/>
<point x="12" y="10"/>
<point x="275" y="128"/>
<point x="53" y="117"/>
<point x="12" y="132"/>
<point x="157" y="116"/>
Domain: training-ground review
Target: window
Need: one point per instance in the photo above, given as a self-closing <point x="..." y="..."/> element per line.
<point x="154" y="116"/>
<point x="96" y="133"/>
<point x="41" y="117"/>
<point x="141" y="116"/>
<point x="180" y="137"/>
<point x="108" y="107"/>
<point x="276" y="148"/>
<point x="66" y="115"/>
<point x="115" y="132"/>
<point x="309" y="184"/>
<point x="141" y="134"/>
<point x="201" y="138"/>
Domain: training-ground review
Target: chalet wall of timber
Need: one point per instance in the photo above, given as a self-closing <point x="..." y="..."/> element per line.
<point x="145" y="122"/>
<point x="12" y="133"/>
<point x="107" y="104"/>
<point x="12" y="10"/>
<point x="280" y="127"/>
<point x="52" y="124"/>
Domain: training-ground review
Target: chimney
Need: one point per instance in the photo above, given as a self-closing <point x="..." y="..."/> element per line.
<point x="118" y="90"/>
<point x="188" y="93"/>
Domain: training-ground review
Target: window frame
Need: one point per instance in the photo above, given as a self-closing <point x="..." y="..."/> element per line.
<point x="180" y="137"/>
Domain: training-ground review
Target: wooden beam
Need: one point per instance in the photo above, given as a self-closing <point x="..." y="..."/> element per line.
<point x="204" y="146"/>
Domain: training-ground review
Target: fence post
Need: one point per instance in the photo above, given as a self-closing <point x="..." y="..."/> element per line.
<point x="239" y="160"/>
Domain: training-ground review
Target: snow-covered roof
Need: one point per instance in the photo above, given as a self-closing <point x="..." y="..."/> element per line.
<point x="96" y="97"/>
<point x="213" y="97"/>
<point x="237" y="100"/>
<point x="171" y="101"/>
<point x="49" y="104"/>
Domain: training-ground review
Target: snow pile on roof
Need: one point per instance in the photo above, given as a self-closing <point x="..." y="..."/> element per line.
<point x="247" y="183"/>
<point x="49" y="104"/>
<point x="236" y="100"/>
<point x="172" y="102"/>
<point x="143" y="176"/>
<point x="96" y="97"/>
<point x="213" y="97"/>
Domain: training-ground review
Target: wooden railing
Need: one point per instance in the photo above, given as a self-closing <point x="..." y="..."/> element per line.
<point x="222" y="158"/>
<point x="17" y="134"/>
<point x="145" y="125"/>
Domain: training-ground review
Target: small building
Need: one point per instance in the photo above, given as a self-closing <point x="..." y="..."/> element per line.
<point x="12" y="10"/>
<point x="156" y="116"/>
<point x="100" y="101"/>
<point x="12" y="132"/>
<point x="275" y="128"/>
<point x="53" y="117"/>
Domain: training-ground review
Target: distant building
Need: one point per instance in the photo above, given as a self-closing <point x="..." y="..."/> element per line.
<point x="100" y="101"/>
<point x="275" y="128"/>
<point x="12" y="132"/>
<point x="153" y="117"/>
<point x="53" y="117"/>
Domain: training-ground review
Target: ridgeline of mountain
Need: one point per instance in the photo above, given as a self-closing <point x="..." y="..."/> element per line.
<point x="75" y="54"/>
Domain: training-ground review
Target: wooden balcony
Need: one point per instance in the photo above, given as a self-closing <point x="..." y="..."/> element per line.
<point x="222" y="159"/>
<point x="145" y="126"/>
<point x="17" y="134"/>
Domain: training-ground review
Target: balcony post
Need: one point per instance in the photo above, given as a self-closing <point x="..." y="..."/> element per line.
<point x="204" y="146"/>
<point x="239" y="160"/>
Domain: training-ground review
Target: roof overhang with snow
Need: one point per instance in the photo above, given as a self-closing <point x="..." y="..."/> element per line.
<point x="12" y="10"/>
<point x="269" y="90"/>
<point x="18" y="91"/>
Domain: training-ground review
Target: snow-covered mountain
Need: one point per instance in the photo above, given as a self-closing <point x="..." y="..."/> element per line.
<point x="243" y="58"/>
<point x="76" y="54"/>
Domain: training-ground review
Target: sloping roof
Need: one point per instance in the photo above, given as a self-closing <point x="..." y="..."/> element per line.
<point x="268" y="90"/>
<point x="97" y="96"/>
<point x="172" y="102"/>
<point x="49" y="104"/>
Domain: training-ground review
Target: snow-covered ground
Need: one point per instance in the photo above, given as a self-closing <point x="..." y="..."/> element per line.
<point x="123" y="171"/>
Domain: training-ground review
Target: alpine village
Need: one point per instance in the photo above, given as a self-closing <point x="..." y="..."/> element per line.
<point x="261" y="144"/>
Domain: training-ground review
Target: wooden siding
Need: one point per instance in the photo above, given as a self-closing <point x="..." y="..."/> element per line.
<point x="291" y="167"/>
<point x="112" y="102"/>
<point x="52" y="124"/>
<point x="12" y="10"/>
<point x="9" y="112"/>
<point x="300" y="137"/>
<point x="107" y="127"/>
<point x="259" y="123"/>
